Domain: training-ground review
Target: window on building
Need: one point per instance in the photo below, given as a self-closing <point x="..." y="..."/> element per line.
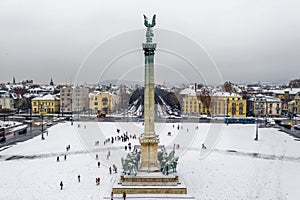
<point x="233" y="109"/>
<point x="270" y="112"/>
<point x="104" y="101"/>
<point x="95" y="103"/>
<point x="241" y="108"/>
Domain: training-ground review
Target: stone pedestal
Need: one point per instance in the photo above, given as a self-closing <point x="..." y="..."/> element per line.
<point x="149" y="183"/>
<point x="149" y="149"/>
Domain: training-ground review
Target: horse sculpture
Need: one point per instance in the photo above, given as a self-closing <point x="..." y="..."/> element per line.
<point x="130" y="163"/>
<point x="167" y="162"/>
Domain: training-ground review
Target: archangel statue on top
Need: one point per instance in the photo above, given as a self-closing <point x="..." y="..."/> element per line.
<point x="149" y="33"/>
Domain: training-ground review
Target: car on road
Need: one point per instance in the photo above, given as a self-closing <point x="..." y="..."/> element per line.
<point x="2" y="138"/>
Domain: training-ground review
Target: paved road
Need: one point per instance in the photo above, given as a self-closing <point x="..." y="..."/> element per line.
<point x="292" y="131"/>
<point x="13" y="139"/>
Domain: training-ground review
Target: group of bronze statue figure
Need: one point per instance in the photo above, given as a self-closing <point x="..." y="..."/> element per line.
<point x="168" y="162"/>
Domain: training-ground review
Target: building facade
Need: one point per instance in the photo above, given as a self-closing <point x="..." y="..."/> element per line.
<point x="74" y="99"/>
<point x="262" y="105"/>
<point x="228" y="104"/>
<point x="191" y="104"/>
<point x="103" y="102"/>
<point x="48" y="104"/>
<point x="6" y="101"/>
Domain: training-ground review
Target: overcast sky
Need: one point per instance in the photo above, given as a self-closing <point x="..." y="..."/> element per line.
<point x="246" y="40"/>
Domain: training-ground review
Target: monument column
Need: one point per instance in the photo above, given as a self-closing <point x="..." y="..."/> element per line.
<point x="149" y="140"/>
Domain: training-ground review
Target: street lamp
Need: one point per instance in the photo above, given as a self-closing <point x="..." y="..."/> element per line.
<point x="42" y="116"/>
<point x="71" y="114"/>
<point x="227" y="103"/>
<point x="256" y="133"/>
<point x="30" y="110"/>
<point x="62" y="109"/>
<point x="294" y="112"/>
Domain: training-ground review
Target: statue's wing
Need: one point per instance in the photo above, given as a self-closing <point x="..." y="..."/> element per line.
<point x="146" y="21"/>
<point x="153" y="21"/>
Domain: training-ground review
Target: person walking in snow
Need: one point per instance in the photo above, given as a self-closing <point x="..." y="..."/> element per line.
<point x="124" y="195"/>
<point x="109" y="169"/>
<point x="108" y="154"/>
<point x="98" y="164"/>
<point x="65" y="156"/>
<point x="61" y="185"/>
<point x="57" y="159"/>
<point x="78" y="178"/>
<point x="112" y="195"/>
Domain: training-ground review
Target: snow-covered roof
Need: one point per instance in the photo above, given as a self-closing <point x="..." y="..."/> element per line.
<point x="188" y="91"/>
<point x="225" y="94"/>
<point x="274" y="91"/>
<point x="4" y="94"/>
<point x="46" y="97"/>
<point x="292" y="90"/>
<point x="95" y="93"/>
<point x="261" y="97"/>
<point x="255" y="88"/>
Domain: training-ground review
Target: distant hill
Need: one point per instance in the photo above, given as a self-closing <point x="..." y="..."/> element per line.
<point x="119" y="82"/>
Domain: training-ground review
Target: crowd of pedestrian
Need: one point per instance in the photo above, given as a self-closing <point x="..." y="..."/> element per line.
<point x="125" y="137"/>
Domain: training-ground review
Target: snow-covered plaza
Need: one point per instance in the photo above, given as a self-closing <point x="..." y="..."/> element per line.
<point x="238" y="167"/>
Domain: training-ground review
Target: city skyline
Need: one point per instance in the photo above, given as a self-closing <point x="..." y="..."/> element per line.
<point x="247" y="41"/>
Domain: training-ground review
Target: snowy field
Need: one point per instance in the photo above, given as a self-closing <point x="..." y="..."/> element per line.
<point x="233" y="166"/>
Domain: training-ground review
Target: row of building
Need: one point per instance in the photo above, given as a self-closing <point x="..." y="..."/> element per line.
<point x="76" y="99"/>
<point x="240" y="102"/>
<point x="239" y="105"/>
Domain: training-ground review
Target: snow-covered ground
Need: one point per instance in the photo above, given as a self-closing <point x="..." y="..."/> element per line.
<point x="237" y="168"/>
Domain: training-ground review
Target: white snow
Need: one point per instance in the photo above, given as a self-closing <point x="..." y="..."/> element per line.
<point x="237" y="168"/>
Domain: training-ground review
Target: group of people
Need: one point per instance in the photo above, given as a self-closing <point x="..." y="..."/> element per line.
<point x="113" y="169"/>
<point x="98" y="181"/>
<point x="122" y="137"/>
<point x="78" y="126"/>
<point x="68" y="147"/>
<point x="57" y="158"/>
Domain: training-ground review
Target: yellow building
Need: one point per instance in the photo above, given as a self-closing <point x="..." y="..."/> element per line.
<point x="46" y="104"/>
<point x="193" y="105"/>
<point x="224" y="103"/>
<point x="103" y="102"/>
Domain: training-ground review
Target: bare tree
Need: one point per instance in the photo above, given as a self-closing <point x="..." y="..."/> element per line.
<point x="205" y="98"/>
